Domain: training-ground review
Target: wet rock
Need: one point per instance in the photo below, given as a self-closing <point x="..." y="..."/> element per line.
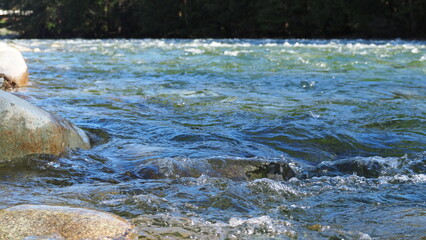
<point x="150" y="172"/>
<point x="234" y="169"/>
<point x="26" y="129"/>
<point x="57" y="222"/>
<point x="251" y="169"/>
<point x="272" y="170"/>
<point x="13" y="68"/>
<point x="369" y="167"/>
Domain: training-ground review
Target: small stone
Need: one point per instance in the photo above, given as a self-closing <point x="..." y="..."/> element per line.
<point x="317" y="227"/>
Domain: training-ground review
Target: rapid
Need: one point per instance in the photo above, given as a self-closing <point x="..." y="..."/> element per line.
<point x="234" y="139"/>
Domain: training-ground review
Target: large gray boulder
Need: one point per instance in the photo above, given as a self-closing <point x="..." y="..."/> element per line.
<point x="13" y="68"/>
<point x="58" y="222"/>
<point x="26" y="129"/>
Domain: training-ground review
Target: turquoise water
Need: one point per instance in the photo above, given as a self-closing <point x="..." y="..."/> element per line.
<point x="235" y="139"/>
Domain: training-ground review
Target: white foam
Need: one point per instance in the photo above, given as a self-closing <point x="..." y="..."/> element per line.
<point x="401" y="178"/>
<point x="266" y="184"/>
<point x="194" y="50"/>
<point x="235" y="222"/>
<point x="231" y="53"/>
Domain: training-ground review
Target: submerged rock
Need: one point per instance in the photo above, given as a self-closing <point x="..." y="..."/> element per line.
<point x="57" y="222"/>
<point x="251" y="169"/>
<point x="369" y="167"/>
<point x="26" y="129"/>
<point x="234" y="169"/>
<point x="13" y="68"/>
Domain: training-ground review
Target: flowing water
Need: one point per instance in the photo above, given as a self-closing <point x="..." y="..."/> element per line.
<point x="235" y="139"/>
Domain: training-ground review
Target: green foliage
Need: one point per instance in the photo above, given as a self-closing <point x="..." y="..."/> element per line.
<point x="220" y="18"/>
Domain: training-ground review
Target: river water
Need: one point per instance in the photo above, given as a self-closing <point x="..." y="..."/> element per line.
<point x="235" y="139"/>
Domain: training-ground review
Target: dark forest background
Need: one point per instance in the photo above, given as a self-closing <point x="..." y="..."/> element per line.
<point x="218" y="18"/>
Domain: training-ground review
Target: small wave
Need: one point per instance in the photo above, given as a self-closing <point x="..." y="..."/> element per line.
<point x="261" y="227"/>
<point x="372" y="167"/>
<point x="153" y="226"/>
<point x="194" y="51"/>
<point x="342" y="45"/>
<point x="400" y="179"/>
<point x="361" y="166"/>
<point x="271" y="187"/>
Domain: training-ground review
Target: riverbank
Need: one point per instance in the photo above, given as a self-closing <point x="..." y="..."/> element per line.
<point x="223" y="19"/>
<point x="6" y="33"/>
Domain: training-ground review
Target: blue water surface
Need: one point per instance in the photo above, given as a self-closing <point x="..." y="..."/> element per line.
<point x="180" y="127"/>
